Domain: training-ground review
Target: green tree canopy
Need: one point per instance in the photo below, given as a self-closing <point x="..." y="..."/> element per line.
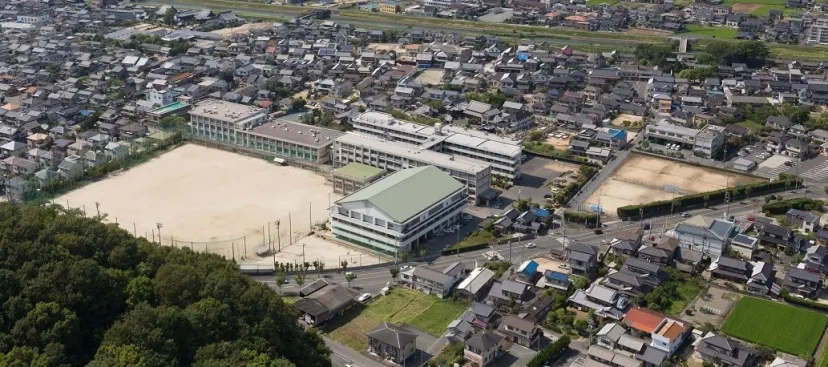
<point x="75" y="291"/>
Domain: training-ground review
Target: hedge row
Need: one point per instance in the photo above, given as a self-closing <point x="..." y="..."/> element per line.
<point x="550" y="353"/>
<point x="703" y="199"/>
<point x="782" y="207"/>
<point x="588" y="219"/>
<point x="453" y="251"/>
<point x="804" y="302"/>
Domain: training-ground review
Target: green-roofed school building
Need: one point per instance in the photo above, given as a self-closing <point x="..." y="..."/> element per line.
<point x="405" y="208"/>
<point x="353" y="177"/>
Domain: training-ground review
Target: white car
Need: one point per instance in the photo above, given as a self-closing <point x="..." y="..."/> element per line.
<point x="531" y="245"/>
<point x="364" y="297"/>
<point x="563" y="266"/>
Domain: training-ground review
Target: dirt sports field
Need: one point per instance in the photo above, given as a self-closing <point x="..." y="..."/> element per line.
<point x="212" y="198"/>
<point x="641" y="179"/>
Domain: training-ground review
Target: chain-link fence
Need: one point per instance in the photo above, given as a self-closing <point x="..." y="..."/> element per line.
<point x="258" y="242"/>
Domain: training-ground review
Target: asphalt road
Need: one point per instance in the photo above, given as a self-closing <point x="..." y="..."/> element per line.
<point x="373" y="280"/>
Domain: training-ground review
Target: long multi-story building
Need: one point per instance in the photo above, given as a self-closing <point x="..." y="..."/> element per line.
<point x="817" y="34"/>
<point x="706" y="142"/>
<point x="248" y="128"/>
<point x="401" y="210"/>
<point x="503" y="154"/>
<point x="394" y="156"/>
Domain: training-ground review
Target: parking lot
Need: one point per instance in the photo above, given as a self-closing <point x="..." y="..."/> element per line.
<point x="538" y="174"/>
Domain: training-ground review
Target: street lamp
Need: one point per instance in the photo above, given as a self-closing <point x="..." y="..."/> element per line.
<point x="159" y="225"/>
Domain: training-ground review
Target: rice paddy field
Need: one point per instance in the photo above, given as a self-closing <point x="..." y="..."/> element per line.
<point x="775" y="325"/>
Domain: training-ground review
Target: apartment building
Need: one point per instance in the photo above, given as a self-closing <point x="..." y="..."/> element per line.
<point x="709" y="141"/>
<point x="502" y="154"/>
<point x="433" y="281"/>
<point x="247" y="128"/>
<point x="818" y="32"/>
<point x="706" y="142"/>
<point x="399" y="211"/>
<point x="662" y="132"/>
<point x="392" y="156"/>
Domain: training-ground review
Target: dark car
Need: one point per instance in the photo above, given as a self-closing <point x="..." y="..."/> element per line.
<point x="598" y="231"/>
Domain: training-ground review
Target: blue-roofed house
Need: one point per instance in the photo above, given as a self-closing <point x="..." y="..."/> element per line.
<point x="527" y="272"/>
<point x="554" y="279"/>
<point x="542" y="215"/>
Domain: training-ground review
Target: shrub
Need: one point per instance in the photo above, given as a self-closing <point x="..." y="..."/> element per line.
<point x="552" y="352"/>
<point x="782" y="207"/>
<point x="714" y="197"/>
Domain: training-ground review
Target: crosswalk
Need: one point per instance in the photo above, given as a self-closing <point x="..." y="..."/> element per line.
<point x="816" y="173"/>
<point x="774" y="172"/>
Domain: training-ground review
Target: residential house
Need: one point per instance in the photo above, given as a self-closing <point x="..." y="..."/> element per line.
<point x="13" y="149"/>
<point x="815" y="260"/>
<point x="476" y="285"/>
<point x="803" y="282"/>
<point x="806" y="222"/>
<point x="583" y="259"/>
<point x="708" y="235"/>
<point x="483" y="348"/>
<point x="391" y="343"/>
<point x="604" y="301"/>
<point x="722" y="351"/>
<point x="554" y="279"/>
<point x="669" y="335"/>
<point x="71" y="168"/>
<point x="732" y="269"/>
<point x="520" y="331"/>
<point x="781" y="237"/>
<point x="636" y="277"/>
<point x="627" y="242"/>
<point x="662" y="251"/>
<point x="322" y="303"/>
<point x="505" y="293"/>
<point x="433" y="281"/>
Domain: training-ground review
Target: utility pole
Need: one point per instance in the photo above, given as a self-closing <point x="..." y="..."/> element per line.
<point x="278" y="236"/>
<point x="303" y="253"/>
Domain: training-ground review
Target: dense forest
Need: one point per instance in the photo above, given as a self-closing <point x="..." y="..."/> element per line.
<point x="75" y="292"/>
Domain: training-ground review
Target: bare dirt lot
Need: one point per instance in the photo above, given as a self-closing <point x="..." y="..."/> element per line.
<point x="743" y="8"/>
<point x="559" y="143"/>
<point x="642" y="179"/>
<point x="712" y="307"/>
<point x="242" y="29"/>
<point x="211" y="200"/>
<point x="619" y="121"/>
<point x="431" y="77"/>
<point x="546" y="262"/>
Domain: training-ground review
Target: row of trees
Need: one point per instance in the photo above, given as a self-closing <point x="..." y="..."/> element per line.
<point x="75" y="291"/>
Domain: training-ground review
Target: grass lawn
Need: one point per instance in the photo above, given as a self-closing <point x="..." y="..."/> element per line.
<point x="765" y="9"/>
<point x="775" y="325"/>
<point x="753" y="126"/>
<point x="401" y="306"/>
<point x="718" y="32"/>
<point x="823" y="360"/>
<point x="686" y="292"/>
<point x="599" y="2"/>
<point x="779" y="3"/>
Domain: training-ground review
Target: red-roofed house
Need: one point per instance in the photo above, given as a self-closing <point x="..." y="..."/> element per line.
<point x="669" y="335"/>
<point x="643" y="320"/>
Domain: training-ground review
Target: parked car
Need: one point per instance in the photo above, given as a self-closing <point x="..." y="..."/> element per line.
<point x="598" y="231"/>
<point x="645" y="225"/>
<point x="364" y="297"/>
<point x="686" y="215"/>
<point x="531" y="245"/>
<point x="563" y="266"/>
